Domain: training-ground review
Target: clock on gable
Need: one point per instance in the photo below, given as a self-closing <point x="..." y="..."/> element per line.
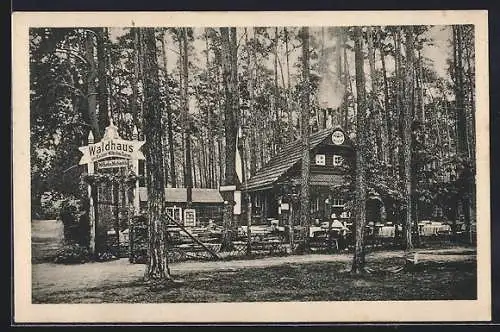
<point x="338" y="137"/>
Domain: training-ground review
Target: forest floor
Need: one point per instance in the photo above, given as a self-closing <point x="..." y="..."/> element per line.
<point x="442" y="273"/>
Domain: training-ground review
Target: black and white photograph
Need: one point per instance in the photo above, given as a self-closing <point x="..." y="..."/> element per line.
<point x="251" y="166"/>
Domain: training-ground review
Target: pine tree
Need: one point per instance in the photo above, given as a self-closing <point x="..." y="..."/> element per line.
<point x="157" y="266"/>
<point x="305" y="115"/>
<point x="230" y="89"/>
<point x="360" y="199"/>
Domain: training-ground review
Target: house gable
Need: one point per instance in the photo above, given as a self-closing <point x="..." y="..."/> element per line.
<point x="290" y="156"/>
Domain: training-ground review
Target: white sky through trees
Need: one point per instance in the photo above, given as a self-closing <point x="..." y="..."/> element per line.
<point x="436" y="52"/>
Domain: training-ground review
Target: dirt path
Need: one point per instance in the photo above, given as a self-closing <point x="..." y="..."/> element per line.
<point x="46" y="238"/>
<point x="49" y="277"/>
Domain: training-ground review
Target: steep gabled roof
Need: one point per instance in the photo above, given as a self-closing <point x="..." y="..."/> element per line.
<point x="288" y="156"/>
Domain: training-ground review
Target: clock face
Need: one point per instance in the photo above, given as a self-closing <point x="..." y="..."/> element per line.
<point x="338" y="137"/>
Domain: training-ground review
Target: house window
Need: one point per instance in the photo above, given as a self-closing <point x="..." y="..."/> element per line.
<point x="337" y="160"/>
<point x="257" y="201"/>
<point x="315" y="205"/>
<point x="320" y="159"/>
<point x="338" y="202"/>
<point x="190" y="217"/>
<point x="174" y="212"/>
<point x="206" y="213"/>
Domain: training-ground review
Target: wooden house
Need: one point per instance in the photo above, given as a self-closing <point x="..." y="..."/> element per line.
<point x="207" y="204"/>
<point x="275" y="188"/>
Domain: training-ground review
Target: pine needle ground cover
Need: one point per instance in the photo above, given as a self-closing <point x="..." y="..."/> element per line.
<point x="437" y="279"/>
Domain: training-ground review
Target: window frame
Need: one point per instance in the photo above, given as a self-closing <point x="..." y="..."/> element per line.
<point x="338" y="202"/>
<point x="172" y="215"/>
<point x="194" y="219"/>
<point x="316" y="161"/>
<point x="335" y="156"/>
<point x="315" y="205"/>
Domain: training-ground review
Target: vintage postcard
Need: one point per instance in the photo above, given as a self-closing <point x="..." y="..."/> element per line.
<point x="181" y="167"/>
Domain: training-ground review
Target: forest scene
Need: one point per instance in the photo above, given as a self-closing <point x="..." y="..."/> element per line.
<point x="351" y="149"/>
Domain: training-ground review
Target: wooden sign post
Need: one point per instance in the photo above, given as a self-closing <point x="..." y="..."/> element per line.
<point x="111" y="152"/>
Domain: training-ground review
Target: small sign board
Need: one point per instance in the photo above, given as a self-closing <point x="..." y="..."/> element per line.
<point x="189" y="217"/>
<point x="112" y="163"/>
<point x="227" y="188"/>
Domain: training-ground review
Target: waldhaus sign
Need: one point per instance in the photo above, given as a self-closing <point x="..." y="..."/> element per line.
<point x="112" y="155"/>
<point x="111" y="146"/>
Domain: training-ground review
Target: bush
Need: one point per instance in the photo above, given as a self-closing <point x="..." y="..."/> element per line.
<point x="68" y="211"/>
<point x="72" y="254"/>
<point x="50" y="205"/>
<point x="75" y="221"/>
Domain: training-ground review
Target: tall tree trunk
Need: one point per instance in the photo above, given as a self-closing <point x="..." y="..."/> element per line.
<point x="291" y="132"/>
<point x="399" y="73"/>
<point x="407" y="135"/>
<point x="135" y="81"/>
<point x="204" y="183"/>
<point x="249" y="148"/>
<point x="91" y="88"/>
<point x="340" y="74"/>
<point x="382" y="142"/>
<point x="210" y="129"/>
<point x="470" y="74"/>
<point x="222" y="157"/>
<point x="230" y="131"/>
<point x="219" y="166"/>
<point x="233" y="48"/>
<point x="140" y="118"/>
<point x="170" y="133"/>
<point x="421" y="114"/>
<point x="321" y="111"/>
<point x="193" y="163"/>
<point x="164" y="127"/>
<point x="157" y="267"/>
<point x="471" y="87"/>
<point x="250" y="137"/>
<point x="462" y="130"/>
<point x="102" y="78"/>
<point x="358" y="261"/>
<point x="462" y="146"/>
<point x="305" y="115"/>
<point x="186" y="120"/>
<point x="387" y="113"/>
<point x="277" y="106"/>
<point x="347" y="84"/>
<point x="373" y="95"/>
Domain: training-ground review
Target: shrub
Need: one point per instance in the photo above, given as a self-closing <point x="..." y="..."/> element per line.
<point x="75" y="221"/>
<point x="72" y="254"/>
<point x="50" y="205"/>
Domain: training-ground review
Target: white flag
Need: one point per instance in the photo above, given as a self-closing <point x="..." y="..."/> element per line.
<point x="238" y="162"/>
